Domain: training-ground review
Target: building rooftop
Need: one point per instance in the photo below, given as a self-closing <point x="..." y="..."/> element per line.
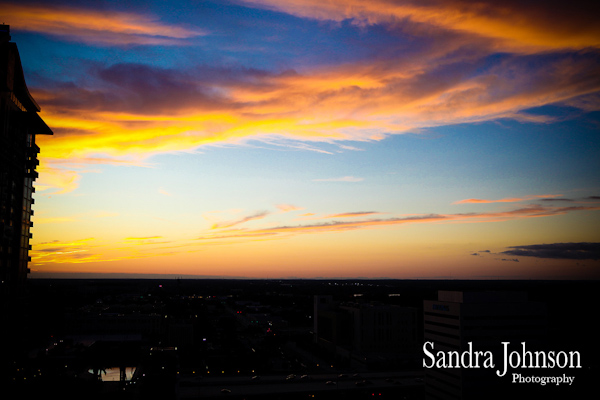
<point x="482" y="297"/>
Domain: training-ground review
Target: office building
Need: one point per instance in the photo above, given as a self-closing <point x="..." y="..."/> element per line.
<point x="370" y="333"/>
<point x="485" y="320"/>
<point x="19" y="125"/>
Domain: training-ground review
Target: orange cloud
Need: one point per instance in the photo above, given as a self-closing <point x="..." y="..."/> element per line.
<point x="124" y="119"/>
<point x="521" y="213"/>
<point x="287" y="108"/>
<point x="511" y="25"/>
<point x="65" y="180"/>
<point x="259" y="215"/>
<point x="94" y="250"/>
<point x="77" y="251"/>
<point x="508" y="200"/>
<point x="288" y="207"/>
<point x="409" y="95"/>
<point x="352" y="214"/>
<point x="93" y="26"/>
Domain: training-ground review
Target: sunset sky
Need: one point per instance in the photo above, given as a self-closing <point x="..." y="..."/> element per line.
<point x="315" y="138"/>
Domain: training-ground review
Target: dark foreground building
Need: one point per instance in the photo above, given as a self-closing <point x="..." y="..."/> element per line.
<point x="458" y="320"/>
<point x="19" y="124"/>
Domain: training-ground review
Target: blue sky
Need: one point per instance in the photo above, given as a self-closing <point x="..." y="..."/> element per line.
<point x="274" y="139"/>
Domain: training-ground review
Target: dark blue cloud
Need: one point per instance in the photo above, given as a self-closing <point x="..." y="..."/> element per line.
<point x="568" y="251"/>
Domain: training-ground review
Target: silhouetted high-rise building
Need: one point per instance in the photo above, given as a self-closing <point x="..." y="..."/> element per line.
<point x="370" y="333"/>
<point x="19" y="124"/>
<point x="484" y="319"/>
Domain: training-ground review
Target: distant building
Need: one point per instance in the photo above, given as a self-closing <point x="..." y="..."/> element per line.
<point x="19" y="125"/>
<point x="150" y="326"/>
<point x="332" y="326"/>
<point x="369" y="333"/>
<point x="383" y="328"/>
<point x="486" y="319"/>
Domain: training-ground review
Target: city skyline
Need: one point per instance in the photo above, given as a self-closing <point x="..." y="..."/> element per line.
<point x="309" y="139"/>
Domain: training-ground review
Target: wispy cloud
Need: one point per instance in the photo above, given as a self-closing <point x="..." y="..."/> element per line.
<point x="143" y="238"/>
<point x="510" y="199"/>
<point x="469" y="63"/>
<point x="347" y="147"/>
<point x="43" y="219"/>
<point x="131" y="112"/>
<point x="89" y="25"/>
<point x="565" y="251"/>
<point x="509" y="25"/>
<point x="147" y="241"/>
<point x="95" y="250"/>
<point x="53" y="220"/>
<point x="59" y="179"/>
<point x="77" y="251"/>
<point x="229" y="224"/>
<point x="340" y="226"/>
<point x="135" y="111"/>
<point x="353" y="214"/>
<point x="92" y="250"/>
<point x="558" y="200"/>
<point x="288" y="207"/>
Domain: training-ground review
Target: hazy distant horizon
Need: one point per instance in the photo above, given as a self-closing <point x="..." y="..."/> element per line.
<point x="84" y="275"/>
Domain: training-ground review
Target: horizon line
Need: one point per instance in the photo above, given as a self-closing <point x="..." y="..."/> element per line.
<point x="141" y="276"/>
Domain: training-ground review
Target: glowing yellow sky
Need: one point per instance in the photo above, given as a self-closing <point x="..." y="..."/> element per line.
<point x="314" y="138"/>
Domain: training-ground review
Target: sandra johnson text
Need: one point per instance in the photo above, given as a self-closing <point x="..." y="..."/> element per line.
<point x="511" y="359"/>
